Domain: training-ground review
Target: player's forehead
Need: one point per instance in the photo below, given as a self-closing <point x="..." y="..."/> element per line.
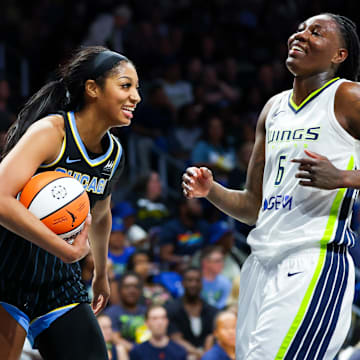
<point x="322" y="21"/>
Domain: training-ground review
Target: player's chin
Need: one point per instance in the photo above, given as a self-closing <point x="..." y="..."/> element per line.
<point x="123" y="121"/>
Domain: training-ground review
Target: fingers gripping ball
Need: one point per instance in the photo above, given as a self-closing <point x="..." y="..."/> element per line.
<point x="59" y="201"/>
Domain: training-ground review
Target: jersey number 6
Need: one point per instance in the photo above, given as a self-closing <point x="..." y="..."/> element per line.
<point x="281" y="170"/>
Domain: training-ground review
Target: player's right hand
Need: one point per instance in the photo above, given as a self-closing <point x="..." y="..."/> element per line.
<point x="197" y="182"/>
<point x="80" y="246"/>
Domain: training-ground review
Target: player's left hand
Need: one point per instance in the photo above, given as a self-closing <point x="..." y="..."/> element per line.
<point x="317" y="171"/>
<point x="101" y="290"/>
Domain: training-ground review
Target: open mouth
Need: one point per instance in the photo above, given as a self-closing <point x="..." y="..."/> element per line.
<point x="296" y="49"/>
<point x="128" y="111"/>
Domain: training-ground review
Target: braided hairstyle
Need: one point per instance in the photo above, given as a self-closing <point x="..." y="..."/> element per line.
<point x="349" y="69"/>
<point x="64" y="94"/>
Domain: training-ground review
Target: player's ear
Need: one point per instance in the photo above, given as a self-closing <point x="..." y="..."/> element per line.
<point x="340" y="56"/>
<point x="91" y="88"/>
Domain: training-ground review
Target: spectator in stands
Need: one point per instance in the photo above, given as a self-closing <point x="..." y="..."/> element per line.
<point x="218" y="93"/>
<point x="184" y="235"/>
<point x="119" y="250"/>
<point x="128" y="315"/>
<point x="115" y="351"/>
<point x="237" y="176"/>
<point x="153" y="293"/>
<point x="154" y="118"/>
<point x="152" y="208"/>
<point x="187" y="132"/>
<point x="135" y="234"/>
<point x="159" y="346"/>
<point x="177" y="90"/>
<point x="194" y="69"/>
<point x="111" y="29"/>
<point x="191" y="317"/>
<point x="225" y="333"/>
<point x="223" y="236"/>
<point x="216" y="287"/>
<point x="212" y="151"/>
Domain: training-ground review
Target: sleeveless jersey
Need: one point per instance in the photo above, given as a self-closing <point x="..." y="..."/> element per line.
<point x="32" y="279"/>
<point x="293" y="216"/>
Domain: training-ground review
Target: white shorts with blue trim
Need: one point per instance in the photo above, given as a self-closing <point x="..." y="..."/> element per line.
<point x="299" y="309"/>
<point x="36" y="326"/>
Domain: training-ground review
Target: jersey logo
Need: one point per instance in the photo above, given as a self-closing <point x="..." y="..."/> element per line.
<point x="277" y="113"/>
<point x="70" y="161"/>
<point x="108" y="167"/>
<point x="278" y="202"/>
<point x="295" y="273"/>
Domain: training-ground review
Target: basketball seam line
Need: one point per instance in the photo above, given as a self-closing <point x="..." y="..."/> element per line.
<point x="62" y="208"/>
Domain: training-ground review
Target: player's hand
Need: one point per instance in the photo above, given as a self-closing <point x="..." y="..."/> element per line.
<point x="197" y="182"/>
<point x="80" y="247"/>
<point x="317" y="171"/>
<point x="101" y="290"/>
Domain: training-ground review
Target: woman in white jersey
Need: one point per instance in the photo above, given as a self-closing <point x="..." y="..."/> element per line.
<point x="297" y="286"/>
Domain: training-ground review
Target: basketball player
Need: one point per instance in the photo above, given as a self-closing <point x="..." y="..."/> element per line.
<point x="297" y="286"/>
<point x="63" y="127"/>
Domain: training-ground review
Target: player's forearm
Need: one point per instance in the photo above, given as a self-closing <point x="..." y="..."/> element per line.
<point x="16" y="218"/>
<point x="99" y="241"/>
<point x="235" y="203"/>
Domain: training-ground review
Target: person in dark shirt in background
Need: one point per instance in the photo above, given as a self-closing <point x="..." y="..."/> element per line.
<point x="182" y="236"/>
<point x="159" y="347"/>
<point x="191" y="318"/>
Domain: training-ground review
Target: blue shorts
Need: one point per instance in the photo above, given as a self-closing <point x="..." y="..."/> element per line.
<point x="35" y="327"/>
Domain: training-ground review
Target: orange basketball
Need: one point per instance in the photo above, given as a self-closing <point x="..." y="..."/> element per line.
<point x="58" y="200"/>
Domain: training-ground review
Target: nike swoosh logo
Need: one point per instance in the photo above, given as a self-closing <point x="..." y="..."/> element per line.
<point x="279" y="112"/>
<point x="295" y="273"/>
<point x="70" y="161"/>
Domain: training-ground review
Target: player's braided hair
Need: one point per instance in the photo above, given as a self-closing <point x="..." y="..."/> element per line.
<point x="349" y="69"/>
<point x="67" y="92"/>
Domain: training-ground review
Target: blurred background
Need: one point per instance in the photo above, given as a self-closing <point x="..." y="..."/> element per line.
<point x="206" y="69"/>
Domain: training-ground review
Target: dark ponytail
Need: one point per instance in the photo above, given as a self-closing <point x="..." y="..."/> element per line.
<point x="49" y="99"/>
<point x="67" y="93"/>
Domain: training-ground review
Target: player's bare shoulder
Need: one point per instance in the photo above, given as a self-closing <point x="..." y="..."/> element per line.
<point x="347" y="107"/>
<point x="53" y="123"/>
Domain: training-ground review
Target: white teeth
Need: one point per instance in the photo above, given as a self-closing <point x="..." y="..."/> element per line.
<point x="297" y="48"/>
<point x="128" y="108"/>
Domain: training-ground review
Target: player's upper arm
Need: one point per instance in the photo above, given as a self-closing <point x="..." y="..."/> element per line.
<point x="347" y="107"/>
<point x="40" y="144"/>
<point x="256" y="166"/>
<point x="101" y="210"/>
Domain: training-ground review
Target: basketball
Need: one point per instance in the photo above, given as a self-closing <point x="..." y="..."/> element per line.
<point x="59" y="201"/>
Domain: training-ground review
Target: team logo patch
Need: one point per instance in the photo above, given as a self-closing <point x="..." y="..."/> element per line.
<point x="108" y="167"/>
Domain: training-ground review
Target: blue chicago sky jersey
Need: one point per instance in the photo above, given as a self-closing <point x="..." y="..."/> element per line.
<point x="32" y="279"/>
<point x="98" y="173"/>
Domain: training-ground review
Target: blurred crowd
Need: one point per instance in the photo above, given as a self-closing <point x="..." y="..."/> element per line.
<point x="206" y="69"/>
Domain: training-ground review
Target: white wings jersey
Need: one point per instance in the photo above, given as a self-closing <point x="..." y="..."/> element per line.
<point x="293" y="216"/>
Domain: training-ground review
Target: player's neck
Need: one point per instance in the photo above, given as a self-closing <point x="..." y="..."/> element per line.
<point x="91" y="129"/>
<point x="303" y="86"/>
